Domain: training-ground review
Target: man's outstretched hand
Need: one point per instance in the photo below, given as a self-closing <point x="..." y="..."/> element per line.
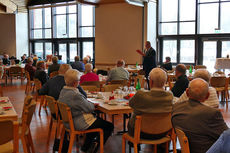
<point x="140" y="52"/>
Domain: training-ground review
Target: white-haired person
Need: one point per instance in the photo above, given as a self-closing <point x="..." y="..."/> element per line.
<point x="89" y="75"/>
<point x="119" y="72"/>
<point x="82" y="111"/>
<point x="157" y="100"/>
<point x="85" y="60"/>
<point x="212" y="100"/>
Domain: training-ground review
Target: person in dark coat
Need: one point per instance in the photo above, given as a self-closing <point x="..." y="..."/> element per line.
<point x="40" y="73"/>
<point x="167" y="65"/>
<point x="55" y="66"/>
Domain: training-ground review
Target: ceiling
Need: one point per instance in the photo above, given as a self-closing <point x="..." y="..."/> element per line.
<point x="21" y="5"/>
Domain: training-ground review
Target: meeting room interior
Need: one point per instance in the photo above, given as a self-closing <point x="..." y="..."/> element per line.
<point x="114" y="76"/>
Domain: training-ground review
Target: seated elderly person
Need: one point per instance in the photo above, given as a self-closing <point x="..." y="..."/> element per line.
<point x="55" y="66"/>
<point x="89" y="76"/>
<point x="201" y="124"/>
<point x="212" y="100"/>
<point x="85" y="60"/>
<point x="157" y="100"/>
<point x="78" y="65"/>
<point x="54" y="86"/>
<point x="30" y="68"/>
<point x="40" y="73"/>
<point x="82" y="111"/>
<point x="167" y="65"/>
<point x="118" y="73"/>
<point x="181" y="80"/>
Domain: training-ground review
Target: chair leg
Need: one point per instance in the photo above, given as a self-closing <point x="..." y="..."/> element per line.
<point x="101" y="142"/>
<point x="50" y="129"/>
<point x="71" y="141"/>
<point x="166" y="147"/>
<point x="31" y="142"/>
<point x="155" y="148"/>
<point x="25" y="149"/>
<point x="123" y="144"/>
<point x="62" y="140"/>
<point x="135" y="148"/>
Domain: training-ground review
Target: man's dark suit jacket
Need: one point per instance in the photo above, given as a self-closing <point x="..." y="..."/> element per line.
<point x="149" y="61"/>
<point x="167" y="66"/>
<point x="180" y="86"/>
<point x="52" y="68"/>
<point x="202" y="124"/>
<point x="41" y="76"/>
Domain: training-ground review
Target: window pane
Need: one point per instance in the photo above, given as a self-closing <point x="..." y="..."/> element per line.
<point x="225" y="20"/>
<point x="88" y="49"/>
<point x="187" y="51"/>
<point x="62" y="52"/>
<point x="72" y="9"/>
<point x="187" y="27"/>
<point x="187" y="10"/>
<point x="47" y="17"/>
<point x="47" y="33"/>
<point x="225" y="48"/>
<point x="170" y="49"/>
<point x="168" y="29"/>
<point x="209" y="55"/>
<point x="37" y="18"/>
<point x="61" y="10"/>
<point x="48" y="47"/>
<point x="73" y="51"/>
<point x="61" y="26"/>
<point x="37" y="34"/>
<point x="39" y="49"/>
<point x="169" y="10"/>
<point x="86" y="32"/>
<point x="208" y="18"/>
<point x="86" y="15"/>
<point x="72" y="25"/>
<point x="203" y="1"/>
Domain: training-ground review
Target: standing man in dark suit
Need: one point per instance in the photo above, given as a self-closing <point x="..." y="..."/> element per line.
<point x="149" y="59"/>
<point x="201" y="124"/>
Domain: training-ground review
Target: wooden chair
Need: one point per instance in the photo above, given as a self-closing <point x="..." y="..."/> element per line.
<point x="67" y="118"/>
<point x="29" y="83"/>
<point x="219" y="72"/>
<point x="24" y="129"/>
<point x="183" y="141"/>
<point x="141" y="72"/>
<point x="1" y="91"/>
<point x="38" y="86"/>
<point x="53" y="74"/>
<point x="27" y="101"/>
<point x="91" y="83"/>
<point x="171" y="81"/>
<point x="90" y="88"/>
<point x="52" y="105"/>
<point x="188" y="67"/>
<point x="16" y="71"/>
<point x="152" y="124"/>
<point x="200" y="67"/>
<point x="9" y="142"/>
<point x="111" y="87"/>
<point x="120" y="82"/>
<point x="221" y="86"/>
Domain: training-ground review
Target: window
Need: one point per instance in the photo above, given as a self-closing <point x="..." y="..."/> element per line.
<point x="73" y="52"/>
<point x="39" y="49"/>
<point x="48" y="48"/>
<point x="88" y="49"/>
<point x="86" y="28"/>
<point x="170" y="50"/>
<point x="225" y="20"/>
<point x="209" y="56"/>
<point x="187" y="51"/>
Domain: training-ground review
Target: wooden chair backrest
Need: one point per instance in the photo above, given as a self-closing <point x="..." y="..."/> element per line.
<point x="52" y="104"/>
<point x="27" y="75"/>
<point x="27" y="101"/>
<point x="38" y="84"/>
<point x="28" y="115"/>
<point x="66" y="114"/>
<point x="200" y="67"/>
<point x="156" y="123"/>
<point x="219" y="72"/>
<point x="183" y="141"/>
<point x="9" y="132"/>
<point x="90" y="88"/>
<point x="121" y="82"/>
<point x="111" y="87"/>
<point x="15" y="70"/>
<point x="53" y="74"/>
<point x="141" y="72"/>
<point x="218" y="81"/>
<point x="91" y="83"/>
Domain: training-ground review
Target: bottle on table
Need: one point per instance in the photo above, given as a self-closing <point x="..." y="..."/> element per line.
<point x="138" y="86"/>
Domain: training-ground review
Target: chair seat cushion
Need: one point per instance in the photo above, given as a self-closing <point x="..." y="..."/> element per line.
<point x="6" y="148"/>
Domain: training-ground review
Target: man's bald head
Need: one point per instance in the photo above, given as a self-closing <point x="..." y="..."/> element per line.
<point x="198" y="90"/>
<point x="120" y="63"/>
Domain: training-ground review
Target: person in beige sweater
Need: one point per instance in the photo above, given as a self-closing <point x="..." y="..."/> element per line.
<point x="157" y="100"/>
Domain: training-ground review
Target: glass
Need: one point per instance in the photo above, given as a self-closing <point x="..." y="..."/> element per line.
<point x="187" y="27"/>
<point x="209" y="55"/>
<point x="170" y="49"/>
<point x="61" y="26"/>
<point x="48" y="47"/>
<point x="225" y="20"/>
<point x="72" y="25"/>
<point x="187" y="10"/>
<point x="61" y="10"/>
<point x="39" y="49"/>
<point x="86" y="32"/>
<point x="47" y="33"/>
<point x="63" y="52"/>
<point x="88" y="49"/>
<point x="203" y="1"/>
<point x="169" y="10"/>
<point x="86" y="15"/>
<point x="37" y="34"/>
<point x="73" y="51"/>
<point x="168" y="28"/>
<point x="208" y="17"/>
<point x="37" y="18"/>
<point x="225" y="48"/>
<point x="187" y="51"/>
<point x="47" y="17"/>
<point x="72" y="9"/>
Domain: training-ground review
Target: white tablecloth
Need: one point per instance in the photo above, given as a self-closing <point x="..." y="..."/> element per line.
<point x="222" y="63"/>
